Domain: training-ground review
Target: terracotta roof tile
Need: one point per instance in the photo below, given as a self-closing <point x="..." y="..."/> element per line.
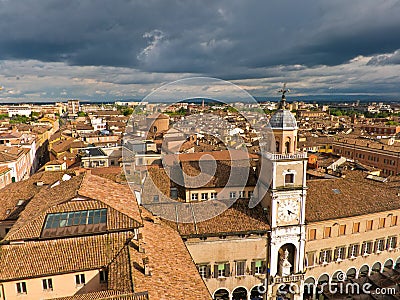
<point x="350" y="196"/>
<point x="51" y="199"/>
<point x="23" y="190"/>
<point x="113" y="194"/>
<point x="42" y="258"/>
<point x="173" y="272"/>
<point x="62" y="145"/>
<point x="238" y="218"/>
<point x="104" y="295"/>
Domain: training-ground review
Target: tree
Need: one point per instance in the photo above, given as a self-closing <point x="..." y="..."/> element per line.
<point x="82" y="114"/>
<point x="127" y="111"/>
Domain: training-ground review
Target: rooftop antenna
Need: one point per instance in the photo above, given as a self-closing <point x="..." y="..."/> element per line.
<point x="283" y="91"/>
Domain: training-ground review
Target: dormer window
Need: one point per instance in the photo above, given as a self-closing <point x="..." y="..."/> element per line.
<point x="75" y="222"/>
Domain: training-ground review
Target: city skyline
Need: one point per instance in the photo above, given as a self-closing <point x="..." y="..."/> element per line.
<point x="98" y="51"/>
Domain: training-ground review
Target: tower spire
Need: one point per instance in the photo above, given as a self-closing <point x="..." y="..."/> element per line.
<point x="283" y="91"/>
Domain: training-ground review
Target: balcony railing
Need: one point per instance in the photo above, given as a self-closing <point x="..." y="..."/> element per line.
<point x="289" y="279"/>
<point x="277" y="156"/>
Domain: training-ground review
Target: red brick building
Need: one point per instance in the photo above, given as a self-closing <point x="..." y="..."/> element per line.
<point x="384" y="157"/>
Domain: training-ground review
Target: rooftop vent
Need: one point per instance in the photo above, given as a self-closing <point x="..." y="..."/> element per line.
<point x="66" y="177"/>
<point x="377" y="178"/>
<point x="55" y="183"/>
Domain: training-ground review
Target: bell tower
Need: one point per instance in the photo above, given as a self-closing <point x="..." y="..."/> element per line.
<point x="285" y="201"/>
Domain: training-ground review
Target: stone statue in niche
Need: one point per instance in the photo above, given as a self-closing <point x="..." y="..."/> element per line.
<point x="285" y="264"/>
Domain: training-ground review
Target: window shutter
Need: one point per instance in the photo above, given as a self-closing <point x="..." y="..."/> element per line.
<point x="363" y="249"/>
<point x="227" y="270"/>
<point x="264" y="267"/>
<point x="321" y="257"/>
<point x="215" y="271"/>
<point x="342" y="229"/>
<point x="312" y="234"/>
<point x="208" y="271"/>
<point x="327" y="232"/>
<point x="253" y="267"/>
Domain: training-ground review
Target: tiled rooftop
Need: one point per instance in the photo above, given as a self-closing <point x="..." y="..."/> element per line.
<point x="173" y="272"/>
<point x="49" y="257"/>
<point x="350" y="196"/>
<point x="99" y="191"/>
<point x="235" y="219"/>
<point x="23" y="190"/>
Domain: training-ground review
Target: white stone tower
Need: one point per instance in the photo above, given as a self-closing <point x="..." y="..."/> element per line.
<point x="284" y="201"/>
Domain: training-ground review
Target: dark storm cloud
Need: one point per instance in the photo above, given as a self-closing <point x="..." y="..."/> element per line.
<point x="208" y="37"/>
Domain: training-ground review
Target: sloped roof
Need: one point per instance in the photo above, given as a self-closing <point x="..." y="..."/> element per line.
<point x="62" y="145"/>
<point x="234" y="219"/>
<point x="42" y="258"/>
<point x="4" y="170"/>
<point x="353" y="195"/>
<point x="164" y="248"/>
<point x="226" y="173"/>
<point x="102" y="295"/>
<point x="57" y="199"/>
<point x="23" y="190"/>
<point x="8" y="154"/>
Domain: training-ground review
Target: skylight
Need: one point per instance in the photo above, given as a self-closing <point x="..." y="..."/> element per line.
<point x="75" y="218"/>
<point x="75" y="222"/>
<point x="336" y="191"/>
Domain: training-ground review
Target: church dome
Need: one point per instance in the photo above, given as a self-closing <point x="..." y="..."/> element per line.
<point x="283" y="119"/>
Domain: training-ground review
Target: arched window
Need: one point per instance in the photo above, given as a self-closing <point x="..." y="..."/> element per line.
<point x="239" y="293"/>
<point x="221" y="294"/>
<point x="277" y="146"/>
<point x="287" y="147"/>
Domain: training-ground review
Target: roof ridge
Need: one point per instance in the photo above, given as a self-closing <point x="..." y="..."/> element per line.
<point x="84" y="177"/>
<point x="32" y="217"/>
<point x="194" y="218"/>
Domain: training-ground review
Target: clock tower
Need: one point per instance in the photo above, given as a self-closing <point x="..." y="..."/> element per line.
<point x="284" y="201"/>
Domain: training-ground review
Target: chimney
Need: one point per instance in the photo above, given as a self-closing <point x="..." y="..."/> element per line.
<point x="157" y="220"/>
<point x="141" y="247"/>
<point x="39" y="183"/>
<point x="147" y="269"/>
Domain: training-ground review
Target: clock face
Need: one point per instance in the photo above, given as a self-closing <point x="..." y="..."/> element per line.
<point x="288" y="210"/>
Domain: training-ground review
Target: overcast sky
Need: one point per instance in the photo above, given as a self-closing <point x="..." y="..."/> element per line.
<point x="105" y="50"/>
